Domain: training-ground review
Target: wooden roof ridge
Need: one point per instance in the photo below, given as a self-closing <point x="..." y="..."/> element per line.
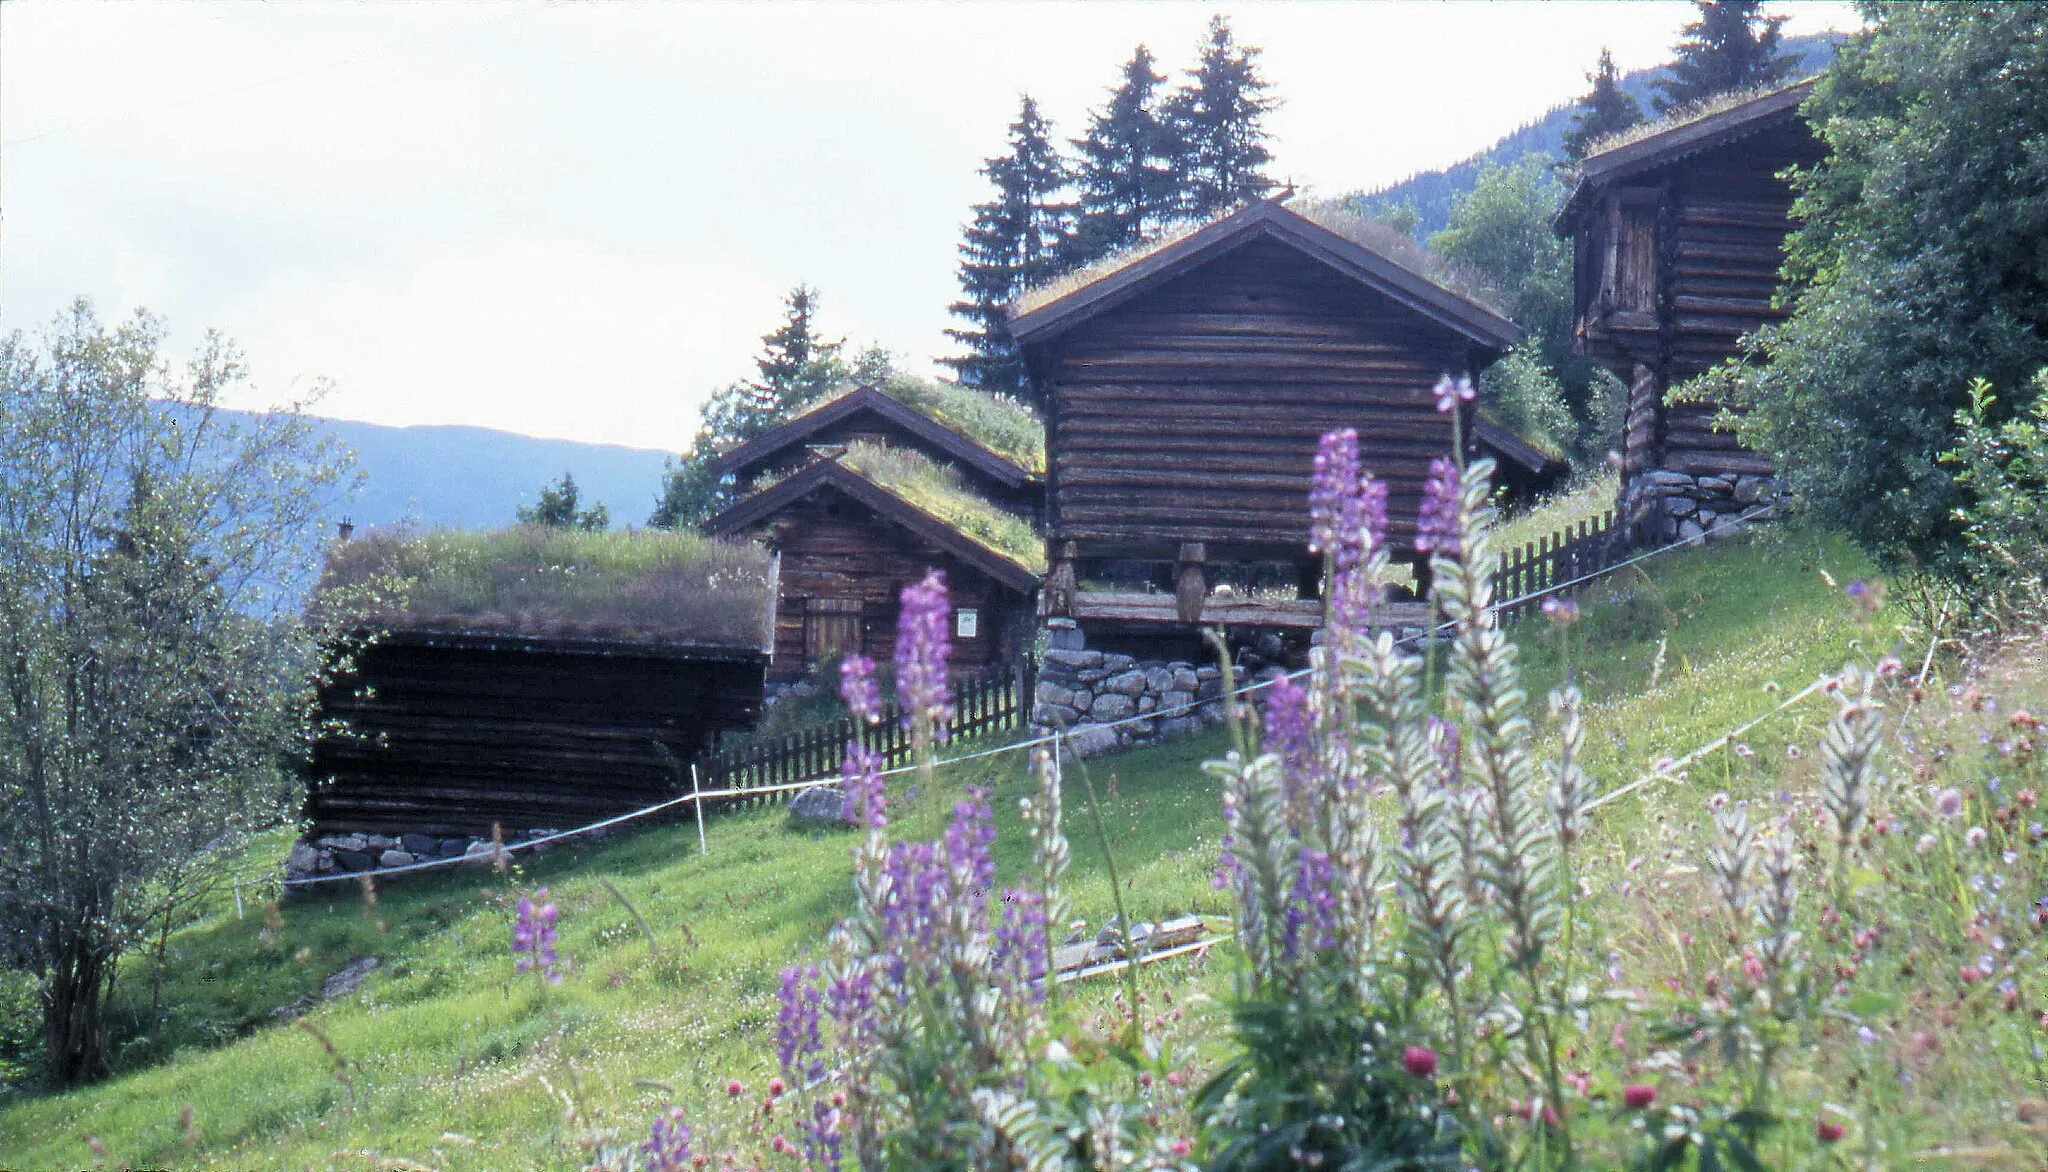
<point x="883" y="500"/>
<point x="1506" y="445"/>
<point x="449" y="633"/>
<point x="955" y="444"/>
<point x="1270" y="220"/>
<point x="1683" y="139"/>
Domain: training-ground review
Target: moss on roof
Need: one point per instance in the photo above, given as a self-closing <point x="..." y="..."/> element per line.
<point x="937" y="489"/>
<point x="641" y="584"/>
<point x="1685" y="116"/>
<point x="1330" y="215"/>
<point x="999" y="423"/>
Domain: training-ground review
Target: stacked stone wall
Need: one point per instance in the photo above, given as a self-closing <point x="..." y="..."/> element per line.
<point x="1109" y="701"/>
<point x="1678" y="506"/>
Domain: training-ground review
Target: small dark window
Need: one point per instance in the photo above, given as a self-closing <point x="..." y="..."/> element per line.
<point x="831" y="627"/>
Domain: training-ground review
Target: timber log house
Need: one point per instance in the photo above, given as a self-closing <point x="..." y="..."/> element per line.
<point x="1678" y="235"/>
<point x="848" y="540"/>
<point x="450" y="732"/>
<point x="1185" y="391"/>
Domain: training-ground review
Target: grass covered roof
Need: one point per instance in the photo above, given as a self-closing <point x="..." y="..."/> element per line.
<point x="997" y="422"/>
<point x="644" y="585"/>
<point x="938" y="490"/>
<point x="1391" y="245"/>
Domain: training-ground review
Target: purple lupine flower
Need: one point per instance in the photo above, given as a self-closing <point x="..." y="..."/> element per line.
<point x="970" y="840"/>
<point x="1311" y="906"/>
<point x="668" y="1143"/>
<point x="1288" y="732"/>
<point x="1452" y="391"/>
<point x="1370" y="520"/>
<point x="533" y="938"/>
<point x="922" y="640"/>
<point x="858" y="688"/>
<point x="1332" y="488"/>
<point x="1436" y="525"/>
<point x="850" y="1002"/>
<point x="920" y="893"/>
<point x="865" y="804"/>
<point x="1020" y="941"/>
<point x="798" y="1045"/>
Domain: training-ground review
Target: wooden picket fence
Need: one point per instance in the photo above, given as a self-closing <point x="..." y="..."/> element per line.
<point x="1567" y="555"/>
<point x="993" y="703"/>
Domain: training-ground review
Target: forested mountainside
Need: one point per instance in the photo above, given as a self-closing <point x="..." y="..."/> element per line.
<point x="1431" y="192"/>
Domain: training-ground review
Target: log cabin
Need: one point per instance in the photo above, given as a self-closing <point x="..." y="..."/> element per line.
<point x="1678" y="233"/>
<point x="1185" y="389"/>
<point x="871" y="415"/>
<point x="852" y="528"/>
<point x="531" y="677"/>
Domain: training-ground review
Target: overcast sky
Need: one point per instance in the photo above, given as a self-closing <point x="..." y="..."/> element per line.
<point x="577" y="220"/>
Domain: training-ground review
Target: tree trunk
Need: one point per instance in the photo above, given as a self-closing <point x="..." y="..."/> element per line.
<point x="74" y="1008"/>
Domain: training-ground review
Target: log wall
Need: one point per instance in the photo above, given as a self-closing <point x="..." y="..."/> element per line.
<point x="1192" y="413"/>
<point x="449" y="734"/>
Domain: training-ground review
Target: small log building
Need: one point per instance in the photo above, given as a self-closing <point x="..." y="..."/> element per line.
<point x="847" y="543"/>
<point x="450" y="732"/>
<point x="1185" y="392"/>
<point x="1678" y="235"/>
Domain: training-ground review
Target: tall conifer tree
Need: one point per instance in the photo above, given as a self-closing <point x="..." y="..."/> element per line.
<point x="796" y="365"/>
<point x="1732" y="46"/>
<point x="1125" y="173"/>
<point x="1608" y="109"/>
<point x="1017" y="239"/>
<point x="1214" y="118"/>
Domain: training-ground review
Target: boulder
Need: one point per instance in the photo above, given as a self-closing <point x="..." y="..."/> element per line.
<point x="1129" y="683"/>
<point x="1093" y="740"/>
<point x="1170" y="701"/>
<point x="1210" y="689"/>
<point x="1054" y="715"/>
<point x="453" y="848"/>
<point x="418" y="845"/>
<point x="1117" y="661"/>
<point x="1093" y="675"/>
<point x="354" y="860"/>
<point x="1269" y="647"/>
<point x="1665" y="479"/>
<point x="1750" y="489"/>
<point x="1208" y="673"/>
<point x="1065" y="639"/>
<point x="395" y="859"/>
<point x="478" y="854"/>
<point x="344" y="842"/>
<point x="381" y="842"/>
<point x="1679" y="506"/>
<point x="823" y="808"/>
<point x="1051" y="693"/>
<point x="1079" y="660"/>
<point x="1158" y="679"/>
<point x="1147" y="703"/>
<point x="1112" y="706"/>
<point x="1186" y="679"/>
<point x="304" y="859"/>
<point x="1179" y="726"/>
<point x="1689" y="531"/>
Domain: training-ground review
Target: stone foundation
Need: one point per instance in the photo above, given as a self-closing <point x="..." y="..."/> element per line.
<point x="1678" y="506"/>
<point x="341" y="857"/>
<point x="1110" y="701"/>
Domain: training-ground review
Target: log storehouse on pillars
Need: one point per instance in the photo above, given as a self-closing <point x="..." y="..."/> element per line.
<point x="1678" y="234"/>
<point x="858" y="498"/>
<point x="1185" y="390"/>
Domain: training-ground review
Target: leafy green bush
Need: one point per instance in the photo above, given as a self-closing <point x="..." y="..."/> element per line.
<point x="2004" y="469"/>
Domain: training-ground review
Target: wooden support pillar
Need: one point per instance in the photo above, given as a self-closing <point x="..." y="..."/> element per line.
<point x="1191" y="581"/>
<point x="1057" y="600"/>
<point x="1308" y="577"/>
<point x="1424" y="580"/>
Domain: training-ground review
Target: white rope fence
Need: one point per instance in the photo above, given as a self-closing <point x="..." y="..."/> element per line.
<point x="697" y="797"/>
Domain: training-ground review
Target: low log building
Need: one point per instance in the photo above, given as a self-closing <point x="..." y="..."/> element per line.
<point x="1678" y="234"/>
<point x="531" y="678"/>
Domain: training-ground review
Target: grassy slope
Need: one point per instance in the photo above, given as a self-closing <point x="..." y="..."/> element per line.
<point x="453" y="1065"/>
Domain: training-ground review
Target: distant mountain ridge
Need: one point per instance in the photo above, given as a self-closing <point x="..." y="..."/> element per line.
<point x="476" y="477"/>
<point x="1432" y="192"/>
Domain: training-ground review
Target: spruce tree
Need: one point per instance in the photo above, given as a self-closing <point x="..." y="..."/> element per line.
<point x="1608" y="109"/>
<point x="1016" y="240"/>
<point x="1125" y="174"/>
<point x="557" y="508"/>
<point x="1214" y="119"/>
<point x="796" y="366"/>
<point x="1732" y="46"/>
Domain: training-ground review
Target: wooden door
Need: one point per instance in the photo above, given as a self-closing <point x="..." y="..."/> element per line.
<point x="831" y="628"/>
